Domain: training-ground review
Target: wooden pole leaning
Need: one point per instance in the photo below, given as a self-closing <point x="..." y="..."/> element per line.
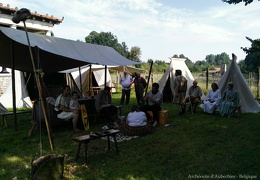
<point x="36" y="74"/>
<point x="150" y="71"/>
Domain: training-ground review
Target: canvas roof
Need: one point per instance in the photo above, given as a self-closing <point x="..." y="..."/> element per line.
<point x="55" y="54"/>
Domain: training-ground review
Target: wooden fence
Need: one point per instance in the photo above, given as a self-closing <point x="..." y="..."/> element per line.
<point x="251" y="79"/>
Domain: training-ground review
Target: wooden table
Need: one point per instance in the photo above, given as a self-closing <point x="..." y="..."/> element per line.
<point x="87" y="138"/>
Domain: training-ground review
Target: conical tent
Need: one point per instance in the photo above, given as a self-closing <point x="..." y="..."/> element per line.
<point x="22" y="96"/>
<point x="247" y="99"/>
<point x="166" y="83"/>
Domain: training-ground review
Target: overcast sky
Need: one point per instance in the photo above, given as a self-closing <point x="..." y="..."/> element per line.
<point x="161" y="28"/>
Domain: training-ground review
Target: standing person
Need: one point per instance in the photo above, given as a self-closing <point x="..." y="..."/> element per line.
<point x="212" y="99"/>
<point x="155" y="101"/>
<point x="180" y="88"/>
<point x="140" y="85"/>
<point x="195" y="94"/>
<point x="103" y="104"/>
<point x="230" y="101"/>
<point x="62" y="104"/>
<point x="126" y="81"/>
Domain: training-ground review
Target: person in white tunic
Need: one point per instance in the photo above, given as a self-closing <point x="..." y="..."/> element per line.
<point x="126" y="81"/>
<point x="74" y="103"/>
<point x="154" y="100"/>
<point x="136" y="123"/>
<point x="213" y="99"/>
<point x="62" y="106"/>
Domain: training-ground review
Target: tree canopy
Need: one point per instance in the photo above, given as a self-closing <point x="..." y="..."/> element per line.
<point x="109" y="39"/>
<point x="252" y="60"/>
<point x="238" y="1"/>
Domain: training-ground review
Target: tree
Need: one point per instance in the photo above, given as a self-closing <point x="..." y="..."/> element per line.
<point x="217" y="60"/>
<point x="243" y="67"/>
<point x="252" y="59"/>
<point x="107" y="39"/>
<point x="135" y="55"/>
<point x="222" y="58"/>
<point x="238" y="1"/>
<point x="210" y="59"/>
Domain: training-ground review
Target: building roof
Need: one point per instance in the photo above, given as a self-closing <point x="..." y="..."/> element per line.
<point x="34" y="15"/>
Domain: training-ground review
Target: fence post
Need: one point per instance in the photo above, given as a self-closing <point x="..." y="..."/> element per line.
<point x="207" y="78"/>
<point x="258" y="83"/>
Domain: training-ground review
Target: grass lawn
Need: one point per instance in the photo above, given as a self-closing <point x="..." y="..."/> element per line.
<point x="192" y="146"/>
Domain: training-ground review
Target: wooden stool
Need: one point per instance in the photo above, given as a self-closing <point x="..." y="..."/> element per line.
<point x="163" y="117"/>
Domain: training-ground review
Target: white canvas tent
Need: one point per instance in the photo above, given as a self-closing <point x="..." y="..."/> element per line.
<point x="22" y="96"/>
<point x="97" y="77"/>
<point x="247" y="99"/>
<point x="2" y="109"/>
<point x="166" y="83"/>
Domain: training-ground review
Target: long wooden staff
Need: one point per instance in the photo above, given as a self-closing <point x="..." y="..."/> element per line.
<point x="36" y="74"/>
<point x="150" y="71"/>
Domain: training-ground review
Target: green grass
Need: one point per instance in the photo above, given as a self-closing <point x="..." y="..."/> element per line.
<point x="192" y="145"/>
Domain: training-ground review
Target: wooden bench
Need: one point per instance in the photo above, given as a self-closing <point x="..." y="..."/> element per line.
<point x="237" y="109"/>
<point x="5" y="114"/>
<point x="87" y="138"/>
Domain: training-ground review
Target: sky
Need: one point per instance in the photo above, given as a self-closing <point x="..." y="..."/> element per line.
<point x="161" y="28"/>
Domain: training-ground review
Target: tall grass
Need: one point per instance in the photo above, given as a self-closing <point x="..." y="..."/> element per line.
<point x="196" y="145"/>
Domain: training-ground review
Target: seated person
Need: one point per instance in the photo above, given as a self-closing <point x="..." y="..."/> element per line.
<point x="195" y="94"/>
<point x="74" y="104"/>
<point x="155" y="101"/>
<point x="136" y="123"/>
<point x="103" y="104"/>
<point x="212" y="99"/>
<point x="62" y="107"/>
<point x="230" y="101"/>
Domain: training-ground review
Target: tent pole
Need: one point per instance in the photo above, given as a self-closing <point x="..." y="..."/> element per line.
<point x="13" y="85"/>
<point x="105" y="83"/>
<point x="80" y="80"/>
<point x="207" y="78"/>
<point x="90" y="87"/>
<point x="258" y="83"/>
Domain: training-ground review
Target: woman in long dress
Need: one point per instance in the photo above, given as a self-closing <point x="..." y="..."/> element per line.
<point x="213" y="99"/>
<point x="230" y="101"/>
